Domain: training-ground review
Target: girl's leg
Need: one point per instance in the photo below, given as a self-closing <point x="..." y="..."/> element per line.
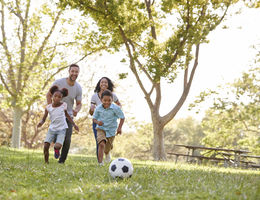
<point x="46" y="151"/>
<point x="95" y="135"/>
<point x="57" y="146"/>
<point x="101" y="147"/>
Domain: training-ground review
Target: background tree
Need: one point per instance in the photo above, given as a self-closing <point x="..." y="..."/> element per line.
<point x="32" y="51"/>
<point x="154" y="56"/>
<point x="233" y="119"/>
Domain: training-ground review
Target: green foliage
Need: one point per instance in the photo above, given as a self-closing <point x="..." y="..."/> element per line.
<point x="233" y="120"/>
<point x="25" y="176"/>
<point x="182" y="131"/>
<point x="121" y="22"/>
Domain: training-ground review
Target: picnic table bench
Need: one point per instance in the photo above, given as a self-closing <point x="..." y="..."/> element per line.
<point x="228" y="156"/>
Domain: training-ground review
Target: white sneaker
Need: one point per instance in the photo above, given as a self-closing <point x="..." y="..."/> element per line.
<point x="101" y="164"/>
<point x="108" y="158"/>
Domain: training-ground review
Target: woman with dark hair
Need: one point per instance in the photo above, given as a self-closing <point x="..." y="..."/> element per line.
<point x="103" y="84"/>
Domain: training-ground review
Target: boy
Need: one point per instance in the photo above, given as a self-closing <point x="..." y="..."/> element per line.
<point x="105" y="116"/>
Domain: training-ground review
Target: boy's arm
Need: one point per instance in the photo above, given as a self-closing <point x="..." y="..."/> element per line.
<point x="71" y="120"/>
<point x="100" y="123"/>
<point x="43" y="118"/>
<point x="119" y="129"/>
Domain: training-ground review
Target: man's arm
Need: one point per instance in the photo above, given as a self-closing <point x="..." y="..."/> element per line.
<point x="77" y="108"/>
<point x="48" y="97"/>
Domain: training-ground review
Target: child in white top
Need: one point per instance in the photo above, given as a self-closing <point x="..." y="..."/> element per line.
<point x="57" y="129"/>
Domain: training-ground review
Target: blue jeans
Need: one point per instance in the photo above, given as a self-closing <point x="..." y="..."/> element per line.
<point x="66" y="143"/>
<point x="95" y="135"/>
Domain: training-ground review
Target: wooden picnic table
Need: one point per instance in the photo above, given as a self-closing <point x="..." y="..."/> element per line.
<point x="224" y="154"/>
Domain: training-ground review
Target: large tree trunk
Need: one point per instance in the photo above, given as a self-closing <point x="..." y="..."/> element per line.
<point x="16" y="133"/>
<point x="158" y="142"/>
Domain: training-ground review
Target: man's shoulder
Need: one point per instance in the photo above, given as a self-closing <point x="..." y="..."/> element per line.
<point x="77" y="85"/>
<point x="61" y="80"/>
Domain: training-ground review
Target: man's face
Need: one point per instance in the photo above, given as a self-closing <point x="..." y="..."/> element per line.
<point x="73" y="73"/>
<point x="106" y="101"/>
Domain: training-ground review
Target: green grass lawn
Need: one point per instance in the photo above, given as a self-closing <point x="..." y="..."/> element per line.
<point x="23" y="175"/>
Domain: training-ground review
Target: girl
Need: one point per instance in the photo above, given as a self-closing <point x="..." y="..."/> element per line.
<point x="103" y="84"/>
<point x="57" y="129"/>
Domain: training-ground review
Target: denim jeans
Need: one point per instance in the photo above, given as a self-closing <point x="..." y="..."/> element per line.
<point x="95" y="135"/>
<point x="66" y="143"/>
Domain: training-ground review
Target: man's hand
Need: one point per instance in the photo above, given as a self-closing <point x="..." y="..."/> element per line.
<point x="75" y="113"/>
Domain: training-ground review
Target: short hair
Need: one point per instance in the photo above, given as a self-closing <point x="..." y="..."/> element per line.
<point x="73" y="65"/>
<point x="63" y="91"/>
<point x="110" y="85"/>
<point x="107" y="93"/>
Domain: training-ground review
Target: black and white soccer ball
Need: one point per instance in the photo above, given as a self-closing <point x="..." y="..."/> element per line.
<point x="121" y="167"/>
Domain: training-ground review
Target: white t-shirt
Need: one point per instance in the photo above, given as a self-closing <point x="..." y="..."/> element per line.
<point x="57" y="117"/>
<point x="97" y="101"/>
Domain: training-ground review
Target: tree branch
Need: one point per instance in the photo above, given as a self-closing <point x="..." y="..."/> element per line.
<point x="7" y="53"/>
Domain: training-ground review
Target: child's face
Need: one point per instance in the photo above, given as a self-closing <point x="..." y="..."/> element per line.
<point x="57" y="96"/>
<point x="103" y="84"/>
<point x="106" y="101"/>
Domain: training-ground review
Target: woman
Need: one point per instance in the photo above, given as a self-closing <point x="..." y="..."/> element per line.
<point x="103" y="84"/>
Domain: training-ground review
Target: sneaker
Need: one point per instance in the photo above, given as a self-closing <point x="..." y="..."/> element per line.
<point x="101" y="164"/>
<point x="56" y="153"/>
<point x="108" y="158"/>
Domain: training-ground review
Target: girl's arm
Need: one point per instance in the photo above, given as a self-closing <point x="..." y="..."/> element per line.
<point x="43" y="118"/>
<point x="71" y="120"/>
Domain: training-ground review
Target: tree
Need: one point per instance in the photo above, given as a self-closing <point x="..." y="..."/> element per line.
<point x="139" y="27"/>
<point x="32" y="52"/>
<point x="233" y="119"/>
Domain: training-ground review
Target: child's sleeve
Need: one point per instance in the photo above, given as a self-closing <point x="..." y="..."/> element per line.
<point x="119" y="113"/>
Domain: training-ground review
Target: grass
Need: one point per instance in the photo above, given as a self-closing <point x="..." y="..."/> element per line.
<point x="23" y="175"/>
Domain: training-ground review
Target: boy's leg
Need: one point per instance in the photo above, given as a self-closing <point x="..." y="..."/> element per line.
<point x="66" y="144"/>
<point x="46" y="151"/>
<point x="101" y="138"/>
<point x="101" y="147"/>
<point x="108" y="147"/>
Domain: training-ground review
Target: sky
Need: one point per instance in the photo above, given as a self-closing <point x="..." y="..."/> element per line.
<point x="222" y="60"/>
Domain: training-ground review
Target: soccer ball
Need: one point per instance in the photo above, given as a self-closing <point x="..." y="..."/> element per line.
<point x="121" y="167"/>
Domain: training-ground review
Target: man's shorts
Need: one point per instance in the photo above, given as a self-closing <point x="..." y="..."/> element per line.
<point x="58" y="135"/>
<point x="101" y="135"/>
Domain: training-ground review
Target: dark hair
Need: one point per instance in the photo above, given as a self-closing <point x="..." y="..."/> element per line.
<point x="63" y="91"/>
<point x="110" y="85"/>
<point x="73" y="65"/>
<point x="107" y="93"/>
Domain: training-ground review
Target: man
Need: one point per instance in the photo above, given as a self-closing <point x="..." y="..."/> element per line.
<point x="74" y="94"/>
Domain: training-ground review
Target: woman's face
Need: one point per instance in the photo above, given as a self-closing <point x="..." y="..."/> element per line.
<point x="103" y="84"/>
